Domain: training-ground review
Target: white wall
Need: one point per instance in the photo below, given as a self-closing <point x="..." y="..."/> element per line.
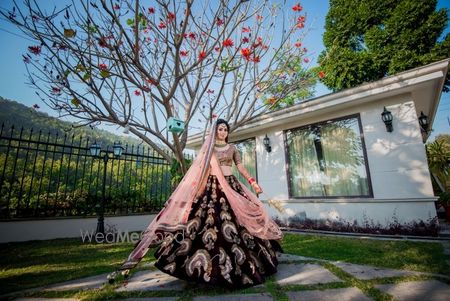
<point x="375" y="212"/>
<point x="67" y="227"/>
<point x="397" y="165"/>
<point x="271" y="166"/>
<point x="397" y="160"/>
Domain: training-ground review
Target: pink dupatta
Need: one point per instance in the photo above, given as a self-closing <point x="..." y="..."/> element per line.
<point x="249" y="212"/>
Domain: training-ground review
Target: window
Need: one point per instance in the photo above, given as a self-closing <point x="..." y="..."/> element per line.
<point x="247" y="150"/>
<point x="328" y="160"/>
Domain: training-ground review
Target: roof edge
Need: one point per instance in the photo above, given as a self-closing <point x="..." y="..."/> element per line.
<point x="402" y="77"/>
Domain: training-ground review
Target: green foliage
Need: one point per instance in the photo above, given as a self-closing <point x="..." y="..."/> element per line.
<point x="176" y="172"/>
<point x="59" y="187"/>
<point x="444" y="198"/>
<point x="289" y="84"/>
<point x="56" y="180"/>
<point x="438" y="154"/>
<point x="366" y="40"/>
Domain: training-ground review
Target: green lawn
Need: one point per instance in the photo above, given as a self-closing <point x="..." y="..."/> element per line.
<point x="407" y="255"/>
<point x="37" y="263"/>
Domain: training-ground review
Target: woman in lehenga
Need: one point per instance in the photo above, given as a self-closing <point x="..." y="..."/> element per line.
<point x="213" y="229"/>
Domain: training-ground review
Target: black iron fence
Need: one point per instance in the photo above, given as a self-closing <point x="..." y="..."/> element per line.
<point x="46" y="175"/>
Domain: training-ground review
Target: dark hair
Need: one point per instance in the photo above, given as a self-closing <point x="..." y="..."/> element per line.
<point x="223" y="121"/>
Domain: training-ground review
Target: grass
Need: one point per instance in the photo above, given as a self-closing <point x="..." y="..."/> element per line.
<point x="38" y="263"/>
<point x="405" y="255"/>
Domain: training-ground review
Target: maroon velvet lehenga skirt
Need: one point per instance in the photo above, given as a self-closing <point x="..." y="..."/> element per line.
<point x="213" y="248"/>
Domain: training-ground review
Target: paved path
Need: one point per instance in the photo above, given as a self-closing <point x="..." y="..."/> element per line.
<point x="304" y="279"/>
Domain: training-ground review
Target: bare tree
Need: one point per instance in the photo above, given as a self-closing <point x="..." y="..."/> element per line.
<point x="119" y="62"/>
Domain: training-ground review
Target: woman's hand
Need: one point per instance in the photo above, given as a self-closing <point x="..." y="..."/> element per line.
<point x="256" y="188"/>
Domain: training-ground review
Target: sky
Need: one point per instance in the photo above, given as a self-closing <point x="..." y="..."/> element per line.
<point x="14" y="43"/>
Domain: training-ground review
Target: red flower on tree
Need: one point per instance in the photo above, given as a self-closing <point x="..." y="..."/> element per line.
<point x="245" y="40"/>
<point x="256" y="59"/>
<point x="228" y="43"/>
<point x="209" y="91"/>
<point x="56" y="90"/>
<point x="202" y="55"/>
<point x="219" y="22"/>
<point x="184" y="53"/>
<point x="162" y="25"/>
<point x="272" y="100"/>
<point x="137" y="92"/>
<point x="192" y="35"/>
<point x="297" y="8"/>
<point x="300" y="22"/>
<point x="259" y="17"/>
<point x="102" y="42"/>
<point x="298" y="44"/>
<point x="116" y="6"/>
<point x="102" y="66"/>
<point x="151" y="10"/>
<point x="246" y="53"/>
<point x="170" y="16"/>
<point x="246" y="29"/>
<point x="217" y="48"/>
<point x="34" y="49"/>
<point x="306" y="60"/>
<point x="258" y="42"/>
<point x="321" y="74"/>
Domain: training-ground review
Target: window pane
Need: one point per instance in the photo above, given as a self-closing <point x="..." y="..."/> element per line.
<point x="247" y="150"/>
<point x="327" y="160"/>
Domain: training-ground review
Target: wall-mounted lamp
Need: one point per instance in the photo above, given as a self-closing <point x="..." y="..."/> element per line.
<point x="386" y="116"/>
<point x="423" y="121"/>
<point x="266" y="142"/>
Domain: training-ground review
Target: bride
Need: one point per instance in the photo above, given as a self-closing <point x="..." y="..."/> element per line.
<point x="213" y="229"/>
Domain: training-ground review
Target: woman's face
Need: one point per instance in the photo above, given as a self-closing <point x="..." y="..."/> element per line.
<point x="222" y="131"/>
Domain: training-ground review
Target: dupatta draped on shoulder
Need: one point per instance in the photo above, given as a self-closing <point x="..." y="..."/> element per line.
<point x="250" y="212"/>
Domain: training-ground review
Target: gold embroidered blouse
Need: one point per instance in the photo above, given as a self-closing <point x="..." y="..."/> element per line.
<point x="227" y="156"/>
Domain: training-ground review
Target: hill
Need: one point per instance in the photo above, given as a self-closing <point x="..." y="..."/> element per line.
<point x="19" y="115"/>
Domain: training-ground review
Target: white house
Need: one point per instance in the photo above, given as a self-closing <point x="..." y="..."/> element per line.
<point x="332" y="158"/>
<point x="332" y="161"/>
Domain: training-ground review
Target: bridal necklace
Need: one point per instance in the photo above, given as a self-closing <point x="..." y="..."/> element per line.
<point x="220" y="143"/>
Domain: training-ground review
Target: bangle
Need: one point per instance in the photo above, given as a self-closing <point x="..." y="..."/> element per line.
<point x="251" y="180"/>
